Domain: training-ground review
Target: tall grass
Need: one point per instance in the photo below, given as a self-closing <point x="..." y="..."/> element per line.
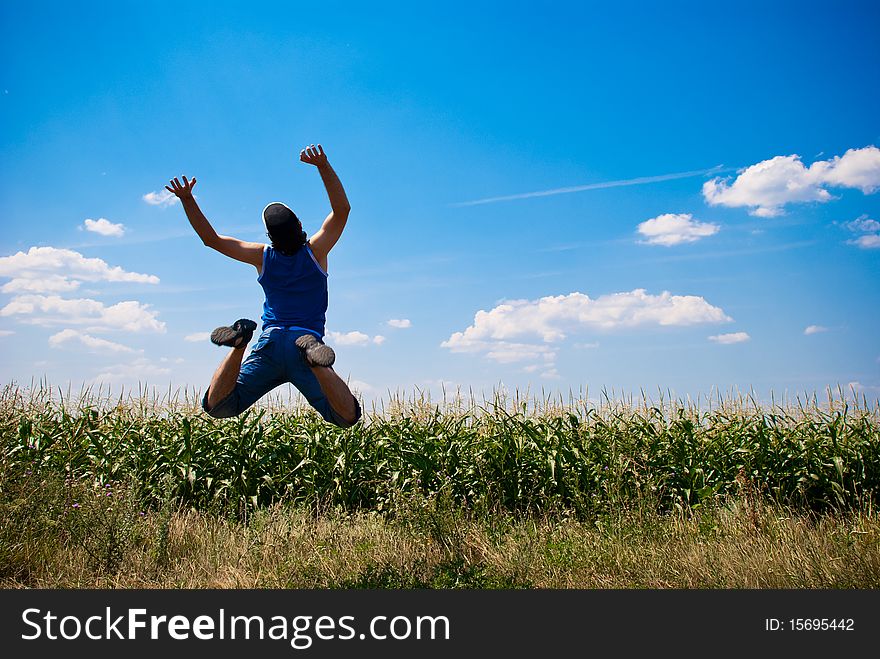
<point x="533" y="457"/>
<point x="107" y="541"/>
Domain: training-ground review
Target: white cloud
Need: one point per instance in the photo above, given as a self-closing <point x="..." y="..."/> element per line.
<point x="857" y="168"/>
<point x="868" y="241"/>
<point x="139" y="370"/>
<point x="862" y="389"/>
<point x="507" y="352"/>
<point x="548" y="371"/>
<point x="672" y="229"/>
<point x="44" y="284"/>
<point x="733" y="337"/>
<point x="65" y="337"/>
<point x="197" y="337"/>
<point x="814" y="329"/>
<point x="400" y="323"/>
<point x="50" y="310"/>
<point x="359" y="386"/>
<point x="871" y="230"/>
<point x="448" y="386"/>
<point x="6" y="332"/>
<point x="548" y="319"/>
<point x="354" y="338"/>
<point x="863" y="224"/>
<point x="104" y="227"/>
<point x="766" y="187"/>
<point x="349" y="338"/>
<point x="61" y="268"/>
<point x="161" y="198"/>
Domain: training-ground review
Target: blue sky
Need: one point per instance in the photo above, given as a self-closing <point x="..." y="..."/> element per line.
<point x="740" y="143"/>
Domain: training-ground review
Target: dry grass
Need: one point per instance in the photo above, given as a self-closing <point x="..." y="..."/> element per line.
<point x="743" y="544"/>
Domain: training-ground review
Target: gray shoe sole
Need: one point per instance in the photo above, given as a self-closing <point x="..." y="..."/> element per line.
<point x="229" y="336"/>
<point x="316" y="353"/>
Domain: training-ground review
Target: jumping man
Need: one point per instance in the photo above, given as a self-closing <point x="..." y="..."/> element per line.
<point x="293" y="273"/>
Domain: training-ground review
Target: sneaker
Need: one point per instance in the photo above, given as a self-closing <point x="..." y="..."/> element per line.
<point x="315" y="352"/>
<point x="236" y="336"/>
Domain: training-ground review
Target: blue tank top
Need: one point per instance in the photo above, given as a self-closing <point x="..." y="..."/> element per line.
<point x="296" y="290"/>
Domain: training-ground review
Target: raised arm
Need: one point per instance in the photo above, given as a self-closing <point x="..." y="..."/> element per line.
<point x="326" y="237"/>
<point x="232" y="247"/>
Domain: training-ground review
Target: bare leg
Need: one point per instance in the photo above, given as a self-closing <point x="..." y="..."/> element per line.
<point x="338" y="394"/>
<point x="223" y="380"/>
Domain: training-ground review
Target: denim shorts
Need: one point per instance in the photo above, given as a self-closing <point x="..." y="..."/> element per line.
<point x="275" y="360"/>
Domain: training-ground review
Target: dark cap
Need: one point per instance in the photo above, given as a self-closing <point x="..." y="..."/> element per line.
<point x="283" y="227"/>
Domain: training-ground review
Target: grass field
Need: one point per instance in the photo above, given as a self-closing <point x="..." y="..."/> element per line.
<point x="150" y="492"/>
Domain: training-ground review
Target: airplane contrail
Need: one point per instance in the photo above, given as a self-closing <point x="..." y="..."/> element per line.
<point x="598" y="186"/>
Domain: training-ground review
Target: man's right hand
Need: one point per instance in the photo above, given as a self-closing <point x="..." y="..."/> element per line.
<point x="314" y="155"/>
<point x="182" y="190"/>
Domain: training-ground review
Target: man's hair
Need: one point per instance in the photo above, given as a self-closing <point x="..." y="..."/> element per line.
<point x="283" y="228"/>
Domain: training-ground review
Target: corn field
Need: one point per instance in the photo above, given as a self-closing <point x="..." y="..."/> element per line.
<point x="545" y="457"/>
